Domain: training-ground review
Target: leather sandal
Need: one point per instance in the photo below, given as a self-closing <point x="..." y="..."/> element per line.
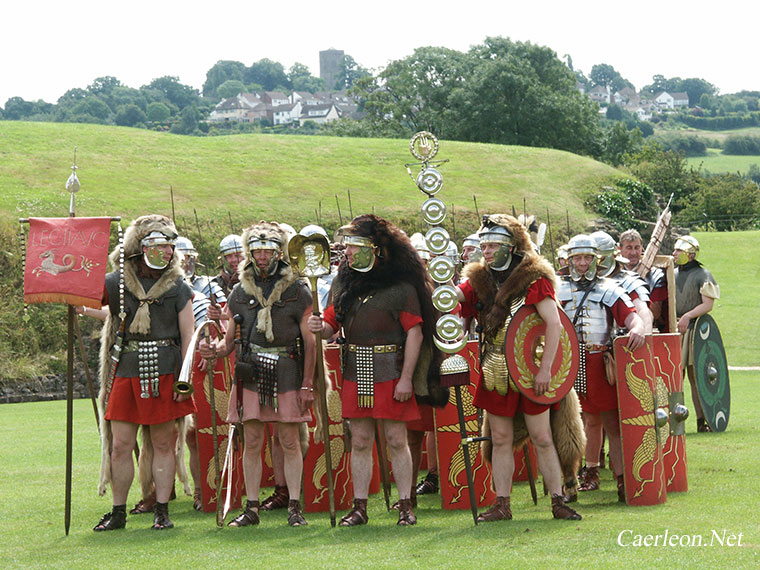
<point x="621" y="489"/>
<point x="590" y="481"/>
<point x="277" y="500"/>
<point x="144" y="505"/>
<point x="249" y="517"/>
<point x="114" y="520"/>
<point x="405" y="514"/>
<point x="295" y="516"/>
<point x="429" y="485"/>
<point x="703" y="426"/>
<point x="499" y="511"/>
<point x="561" y="511"/>
<point x="357" y="515"/>
<point x="413" y="498"/>
<point x="161" y="519"/>
<point x="197" y="500"/>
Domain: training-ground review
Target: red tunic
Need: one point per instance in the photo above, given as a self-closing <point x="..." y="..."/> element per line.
<point x="601" y="396"/>
<point x="513" y="402"/>
<point x="385" y="406"/>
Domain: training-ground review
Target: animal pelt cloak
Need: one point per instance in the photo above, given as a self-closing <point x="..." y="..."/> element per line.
<point x="139" y="229"/>
<point x="397" y="260"/>
<point x="496" y="300"/>
<point x="286" y="277"/>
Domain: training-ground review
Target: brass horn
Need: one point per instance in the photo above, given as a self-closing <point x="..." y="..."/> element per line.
<point x="182" y="387"/>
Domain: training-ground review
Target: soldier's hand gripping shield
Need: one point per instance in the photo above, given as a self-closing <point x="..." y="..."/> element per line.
<point x="524" y="350"/>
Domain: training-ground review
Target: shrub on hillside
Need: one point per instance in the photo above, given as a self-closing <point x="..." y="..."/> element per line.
<point x="688" y="145"/>
<point x="742" y="145"/>
<point x="624" y="204"/>
<point x="724" y="202"/>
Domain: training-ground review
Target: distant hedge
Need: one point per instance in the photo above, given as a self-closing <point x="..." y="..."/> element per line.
<point x="742" y="145"/>
<point x="723" y="123"/>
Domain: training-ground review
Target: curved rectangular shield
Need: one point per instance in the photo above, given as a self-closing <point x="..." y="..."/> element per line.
<point x="643" y="425"/>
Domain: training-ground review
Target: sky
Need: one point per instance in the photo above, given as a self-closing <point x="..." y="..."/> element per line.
<point x="48" y="47"/>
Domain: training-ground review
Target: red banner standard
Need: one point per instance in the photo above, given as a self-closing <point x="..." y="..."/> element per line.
<point x="453" y="480"/>
<point x="667" y="369"/>
<point x="643" y="423"/>
<point x="66" y="260"/>
<point x="205" y="436"/>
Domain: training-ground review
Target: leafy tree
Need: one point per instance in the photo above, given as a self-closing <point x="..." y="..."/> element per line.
<point x="270" y="74"/>
<point x="129" y="116"/>
<point x="174" y="91"/>
<point x="754" y="173"/>
<point x="521" y="93"/>
<point x="89" y="110"/>
<point x="16" y="108"/>
<point x="726" y="202"/>
<point x="619" y="142"/>
<point x="222" y="71"/>
<point x="188" y="121"/>
<point x="607" y="76"/>
<point x="72" y="96"/>
<point x="158" y="112"/>
<point x="103" y="85"/>
<point x="695" y="88"/>
<point x="742" y="145"/>
<point x="666" y="172"/>
<point x="301" y="79"/>
<point x="230" y="88"/>
<point x="413" y="93"/>
<point x="350" y="73"/>
<point x="614" y="113"/>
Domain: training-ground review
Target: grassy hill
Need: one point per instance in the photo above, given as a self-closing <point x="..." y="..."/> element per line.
<point x="127" y="172"/>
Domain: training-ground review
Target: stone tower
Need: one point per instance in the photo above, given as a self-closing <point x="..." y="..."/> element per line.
<point x="330" y="66"/>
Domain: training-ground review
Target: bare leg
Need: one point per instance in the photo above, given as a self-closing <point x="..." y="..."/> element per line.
<point x="414" y="439"/>
<point x="290" y="442"/>
<point x="502" y="457"/>
<point x="432" y="452"/>
<point x="278" y="459"/>
<point x="396" y="436"/>
<point x="540" y="432"/>
<point x="592" y="424"/>
<point x="122" y="464"/>
<point x="195" y="461"/>
<point x="611" y="423"/>
<point x="253" y="431"/>
<point x="164" y="466"/>
<point x="362" y="438"/>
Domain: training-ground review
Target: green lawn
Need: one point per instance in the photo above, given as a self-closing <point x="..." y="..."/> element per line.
<point x="127" y="172"/>
<point x="722" y="496"/>
<point x="733" y="260"/>
<point x="716" y="162"/>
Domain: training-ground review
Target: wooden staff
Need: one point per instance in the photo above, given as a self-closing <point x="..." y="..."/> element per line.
<point x="310" y="255"/>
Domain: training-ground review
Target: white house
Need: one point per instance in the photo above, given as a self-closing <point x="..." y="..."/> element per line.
<point x="284" y="114"/>
<point x="600" y="94"/>
<point x="319" y="113"/>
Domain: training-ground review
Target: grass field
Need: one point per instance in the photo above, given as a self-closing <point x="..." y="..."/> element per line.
<point x="722" y="497"/>
<point x="716" y="162"/>
<point x="733" y="259"/>
<point x="127" y="172"/>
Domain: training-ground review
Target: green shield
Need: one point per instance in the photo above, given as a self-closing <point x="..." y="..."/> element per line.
<point x="711" y="372"/>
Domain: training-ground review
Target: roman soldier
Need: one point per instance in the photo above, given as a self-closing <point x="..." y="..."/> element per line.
<point x="509" y="275"/>
<point x="631" y="248"/>
<point x="230" y="256"/>
<point x="592" y="303"/>
<point x="143" y="342"/>
<point x="275" y="364"/>
<point x="381" y="304"/>
<point x="696" y="291"/>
